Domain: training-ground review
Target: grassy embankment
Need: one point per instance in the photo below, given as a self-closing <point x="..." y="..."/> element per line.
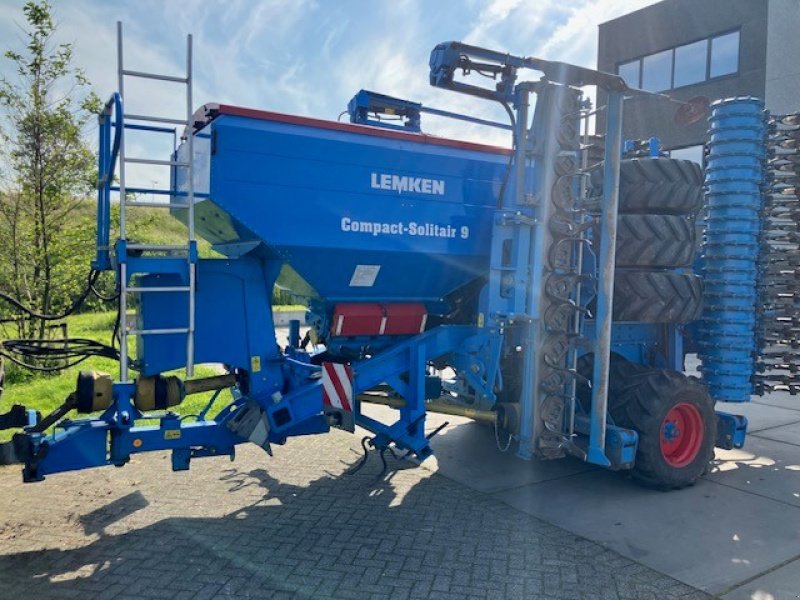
<point x="45" y="392"/>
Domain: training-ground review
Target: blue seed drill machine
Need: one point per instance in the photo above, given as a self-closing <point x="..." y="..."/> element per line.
<point x="548" y="293"/>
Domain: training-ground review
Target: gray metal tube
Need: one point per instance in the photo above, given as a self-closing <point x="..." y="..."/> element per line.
<point x="605" y="296"/>
<point x="434" y="406"/>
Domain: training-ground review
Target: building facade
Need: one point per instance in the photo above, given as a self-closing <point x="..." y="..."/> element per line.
<point x="712" y="48"/>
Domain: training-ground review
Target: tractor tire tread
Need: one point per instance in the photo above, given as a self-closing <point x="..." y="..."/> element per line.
<point x="655" y="186"/>
<point x="655" y="241"/>
<point x="657" y="296"/>
<point x="639" y="397"/>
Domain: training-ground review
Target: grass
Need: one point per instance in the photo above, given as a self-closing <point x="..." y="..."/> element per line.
<point x="46" y="392"/>
<point x="288" y="307"/>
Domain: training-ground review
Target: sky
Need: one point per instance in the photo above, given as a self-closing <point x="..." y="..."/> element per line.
<point x="309" y="57"/>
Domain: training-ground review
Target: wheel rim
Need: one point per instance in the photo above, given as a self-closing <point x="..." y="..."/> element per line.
<point x="681" y="434"/>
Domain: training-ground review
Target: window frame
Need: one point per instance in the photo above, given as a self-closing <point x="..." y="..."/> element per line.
<point x="735" y="73"/>
<point x="708" y="39"/>
<point x="638" y="62"/>
<point x="671" y="53"/>
<point x="707" y="68"/>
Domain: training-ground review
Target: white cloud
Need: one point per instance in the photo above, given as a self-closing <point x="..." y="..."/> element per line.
<point x="308" y="57"/>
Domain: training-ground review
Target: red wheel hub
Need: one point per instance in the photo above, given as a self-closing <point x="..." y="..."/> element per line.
<point x="681" y="434"/>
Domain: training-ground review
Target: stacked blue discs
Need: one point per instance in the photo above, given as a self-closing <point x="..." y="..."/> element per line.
<point x="734" y="175"/>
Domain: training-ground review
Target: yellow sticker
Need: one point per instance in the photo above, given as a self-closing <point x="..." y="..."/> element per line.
<point x="172" y="434"/>
<point x="255" y="364"/>
<point x="480" y="319"/>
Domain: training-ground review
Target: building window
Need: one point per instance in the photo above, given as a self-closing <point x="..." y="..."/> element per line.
<point x="657" y="71"/>
<point x="693" y="153"/>
<point x="687" y="64"/>
<point x="724" y="54"/>
<point x="690" y="63"/>
<point x="630" y="73"/>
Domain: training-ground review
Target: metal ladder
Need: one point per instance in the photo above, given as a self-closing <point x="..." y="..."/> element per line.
<point x="150" y="252"/>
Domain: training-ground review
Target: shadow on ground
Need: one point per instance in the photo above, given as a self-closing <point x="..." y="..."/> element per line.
<point x="409" y="534"/>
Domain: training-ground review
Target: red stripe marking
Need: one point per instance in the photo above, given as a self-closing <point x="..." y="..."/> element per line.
<point x="337" y="385"/>
<point x="326" y="399"/>
<point x="419" y="138"/>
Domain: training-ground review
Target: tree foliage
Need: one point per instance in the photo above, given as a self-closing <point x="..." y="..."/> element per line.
<point x="46" y="104"/>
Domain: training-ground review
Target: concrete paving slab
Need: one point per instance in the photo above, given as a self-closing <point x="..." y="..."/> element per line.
<point x="781" y="584"/>
<point x="692" y="365"/>
<point x="709" y="536"/>
<point x="789" y="434"/>
<point x="469" y="454"/>
<point x="760" y="416"/>
<point x="780" y="399"/>
<point x="764" y="467"/>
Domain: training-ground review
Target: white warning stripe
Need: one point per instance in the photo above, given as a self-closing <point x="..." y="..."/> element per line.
<point x="339" y="324"/>
<point x="330" y="392"/>
<point x="337" y="386"/>
<point x="345" y="383"/>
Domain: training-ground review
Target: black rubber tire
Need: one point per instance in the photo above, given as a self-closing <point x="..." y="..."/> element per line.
<point x="655" y="241"/>
<point x="639" y="398"/>
<point x="657" y="296"/>
<point x="666" y="186"/>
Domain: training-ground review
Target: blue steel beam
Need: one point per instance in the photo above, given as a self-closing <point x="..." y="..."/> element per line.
<point x="108" y="151"/>
<point x="366" y="102"/>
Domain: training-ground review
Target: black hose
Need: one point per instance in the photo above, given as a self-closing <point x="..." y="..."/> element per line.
<point x="33" y="354"/>
<point x="72" y="351"/>
<point x="76" y="304"/>
<point x="504" y="184"/>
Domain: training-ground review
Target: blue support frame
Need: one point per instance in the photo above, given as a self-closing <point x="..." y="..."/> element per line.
<point x="366" y="108"/>
<point x="108" y="150"/>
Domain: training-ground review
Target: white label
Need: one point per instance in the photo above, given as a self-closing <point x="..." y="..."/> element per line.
<point x="364" y="275"/>
<point x="410" y="228"/>
<point x="404" y="184"/>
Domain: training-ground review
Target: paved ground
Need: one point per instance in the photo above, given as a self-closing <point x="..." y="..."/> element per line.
<point x="293" y="526"/>
<point x="473" y="523"/>
<point x="736" y="534"/>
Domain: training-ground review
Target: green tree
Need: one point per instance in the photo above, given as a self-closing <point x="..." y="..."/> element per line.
<point x="46" y="104"/>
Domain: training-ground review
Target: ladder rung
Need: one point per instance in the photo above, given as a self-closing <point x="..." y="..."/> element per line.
<point x="174" y="288"/>
<point x="157" y="247"/>
<point x="157" y="192"/>
<point x="156" y="119"/>
<point x="155" y="204"/>
<point x="145" y="75"/>
<point x="157" y="161"/>
<point x="158" y="331"/>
